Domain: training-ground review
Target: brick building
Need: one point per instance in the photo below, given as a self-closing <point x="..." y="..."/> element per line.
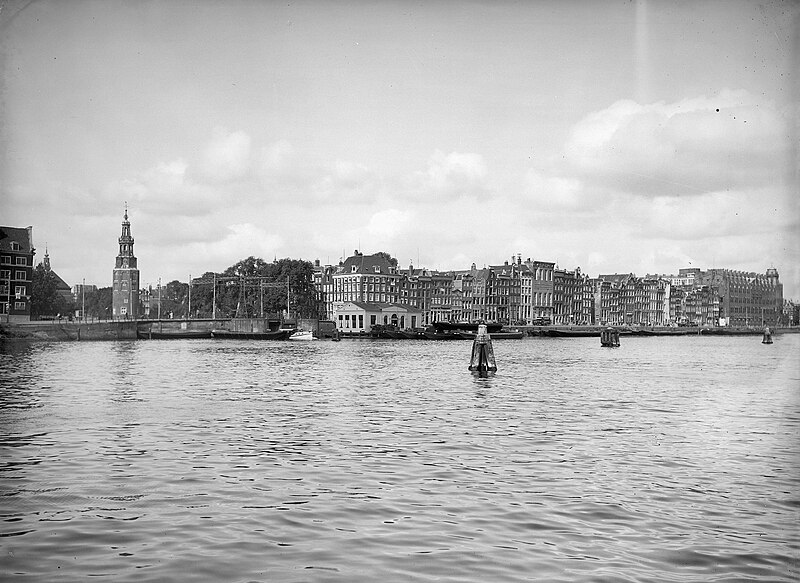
<point x="16" y="273"/>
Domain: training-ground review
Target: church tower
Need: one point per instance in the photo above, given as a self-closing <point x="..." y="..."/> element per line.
<point x="125" y="295"/>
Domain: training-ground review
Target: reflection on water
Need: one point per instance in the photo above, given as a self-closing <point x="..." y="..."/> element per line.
<point x="668" y="459"/>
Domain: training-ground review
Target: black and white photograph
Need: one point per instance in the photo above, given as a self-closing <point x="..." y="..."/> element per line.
<point x="453" y="291"/>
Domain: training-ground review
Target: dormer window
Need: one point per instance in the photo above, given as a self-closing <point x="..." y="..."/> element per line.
<point x="353" y="268"/>
<point x="377" y="269"/>
<point x="15" y="246"/>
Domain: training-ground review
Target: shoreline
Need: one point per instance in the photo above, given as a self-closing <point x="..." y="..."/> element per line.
<point x="49" y="331"/>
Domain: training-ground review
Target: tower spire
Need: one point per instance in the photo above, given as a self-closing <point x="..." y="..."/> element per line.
<point x="125" y="300"/>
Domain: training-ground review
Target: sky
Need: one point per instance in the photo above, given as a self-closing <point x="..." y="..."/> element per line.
<point x="615" y="136"/>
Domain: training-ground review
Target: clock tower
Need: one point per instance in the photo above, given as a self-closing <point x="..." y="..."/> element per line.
<point x="125" y="295"/>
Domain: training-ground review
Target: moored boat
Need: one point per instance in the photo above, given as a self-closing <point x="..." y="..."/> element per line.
<point x="501" y="335"/>
<point x="282" y="334"/>
<point x="172" y="334"/>
<point x="302" y="335"/>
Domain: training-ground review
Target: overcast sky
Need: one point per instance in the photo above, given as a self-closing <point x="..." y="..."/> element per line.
<point x="614" y="136"/>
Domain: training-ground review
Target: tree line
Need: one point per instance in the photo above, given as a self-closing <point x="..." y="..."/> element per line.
<point x="250" y="288"/>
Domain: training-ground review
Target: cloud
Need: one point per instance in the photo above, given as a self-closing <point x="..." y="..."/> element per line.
<point x="389" y="224"/>
<point x="554" y="193"/>
<point x="167" y="188"/>
<point x="241" y="240"/>
<point x="688" y="147"/>
<point x="227" y="156"/>
<point x="345" y="181"/>
<point x="449" y="176"/>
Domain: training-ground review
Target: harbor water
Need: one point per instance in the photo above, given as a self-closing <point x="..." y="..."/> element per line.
<point x="666" y="459"/>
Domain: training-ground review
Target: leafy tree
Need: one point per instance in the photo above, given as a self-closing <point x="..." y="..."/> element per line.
<point x="392" y="261"/>
<point x="98" y="303"/>
<point x="45" y="299"/>
<point x="252" y="286"/>
<point x="174" y="298"/>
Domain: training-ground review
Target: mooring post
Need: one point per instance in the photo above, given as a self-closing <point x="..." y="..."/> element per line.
<point x="482" y="359"/>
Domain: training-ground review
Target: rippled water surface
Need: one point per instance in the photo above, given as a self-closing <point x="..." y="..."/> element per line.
<point x="667" y="459"/>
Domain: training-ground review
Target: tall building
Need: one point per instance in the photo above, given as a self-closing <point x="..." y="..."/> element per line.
<point x="16" y="273"/>
<point x="125" y="294"/>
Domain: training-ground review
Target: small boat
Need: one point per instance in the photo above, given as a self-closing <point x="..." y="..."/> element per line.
<point x="282" y="334"/>
<point x="571" y="333"/>
<point x="302" y="335"/>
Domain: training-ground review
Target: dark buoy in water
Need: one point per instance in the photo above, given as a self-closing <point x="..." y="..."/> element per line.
<point x="482" y="360"/>
<point x="609" y="337"/>
<point x="767" y="336"/>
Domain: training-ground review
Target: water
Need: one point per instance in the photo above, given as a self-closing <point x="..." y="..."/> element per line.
<point x="668" y="459"/>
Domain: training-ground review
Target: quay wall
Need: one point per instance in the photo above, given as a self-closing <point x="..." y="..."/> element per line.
<point x="61" y="331"/>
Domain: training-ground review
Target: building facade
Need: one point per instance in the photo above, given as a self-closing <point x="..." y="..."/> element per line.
<point x="16" y="273"/>
<point x="125" y="292"/>
<point x="354" y="317"/>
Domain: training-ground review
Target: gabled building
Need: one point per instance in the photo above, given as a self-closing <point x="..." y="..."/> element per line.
<point x="573" y="297"/>
<point x="642" y="301"/>
<point x="62" y="287"/>
<point x="428" y="291"/>
<point x="536" y="291"/>
<point x="16" y="273"/>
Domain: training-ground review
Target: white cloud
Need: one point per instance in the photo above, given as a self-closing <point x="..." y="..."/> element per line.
<point x="227" y="156"/>
<point x="241" y="240"/>
<point x="345" y="181"/>
<point x="449" y="176"/>
<point x="389" y="224"/>
<point x="697" y="145"/>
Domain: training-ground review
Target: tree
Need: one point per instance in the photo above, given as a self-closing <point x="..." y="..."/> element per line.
<point x="174" y="298"/>
<point x="392" y="261"/>
<point x="45" y="299"/>
<point x="252" y="287"/>
<point x="98" y="303"/>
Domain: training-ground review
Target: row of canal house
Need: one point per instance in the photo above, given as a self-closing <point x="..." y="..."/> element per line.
<point x="523" y="292"/>
<point x="728" y="297"/>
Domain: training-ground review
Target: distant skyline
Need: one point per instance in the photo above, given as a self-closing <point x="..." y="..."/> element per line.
<point x="614" y="136"/>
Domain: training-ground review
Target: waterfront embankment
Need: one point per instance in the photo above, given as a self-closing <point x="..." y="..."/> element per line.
<point x="56" y="331"/>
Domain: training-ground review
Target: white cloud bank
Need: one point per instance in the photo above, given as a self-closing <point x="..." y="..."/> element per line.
<point x="638" y="187"/>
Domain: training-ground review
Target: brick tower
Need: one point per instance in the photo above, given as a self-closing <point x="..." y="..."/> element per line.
<point x="125" y="296"/>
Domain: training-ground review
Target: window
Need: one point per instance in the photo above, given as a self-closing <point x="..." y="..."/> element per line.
<point x="15" y="246"/>
<point x="373" y="319"/>
<point x="353" y="268"/>
<point x="361" y="320"/>
<point x="6" y="260"/>
<point x="22" y="261"/>
<point x="20" y="275"/>
<point x="5" y="274"/>
<point x="19" y="290"/>
<point x="19" y="305"/>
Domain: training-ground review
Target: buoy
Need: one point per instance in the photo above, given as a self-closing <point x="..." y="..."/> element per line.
<point x="767" y="336"/>
<point x="482" y="360"/>
<point x="609" y="337"/>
